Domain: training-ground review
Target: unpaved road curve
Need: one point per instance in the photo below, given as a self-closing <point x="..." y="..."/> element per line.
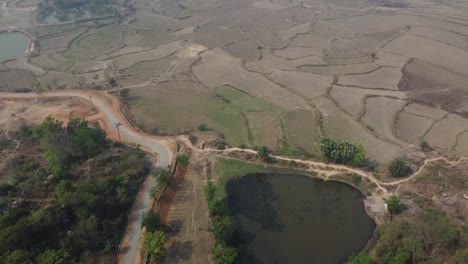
<point x="162" y="148"/>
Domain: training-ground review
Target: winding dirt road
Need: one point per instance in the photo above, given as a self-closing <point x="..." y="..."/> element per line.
<point x="163" y="148"/>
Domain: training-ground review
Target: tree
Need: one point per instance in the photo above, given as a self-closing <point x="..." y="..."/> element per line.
<point x="124" y="93"/>
<point x="394" y="205"/>
<point x="264" y="153"/>
<point x="398" y="167"/>
<point x="53" y="257"/>
<point x="112" y="82"/>
<point x="424" y="145"/>
<point x="153" y="244"/>
<point x="222" y="229"/>
<point x="223" y="254"/>
<point x="150" y="221"/>
<point x="359" y="259"/>
<point x="359" y="155"/>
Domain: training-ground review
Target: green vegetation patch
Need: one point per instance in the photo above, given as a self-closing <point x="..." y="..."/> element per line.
<point x="65" y="193"/>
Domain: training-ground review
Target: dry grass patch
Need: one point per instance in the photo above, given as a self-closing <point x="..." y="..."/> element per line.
<point x="308" y="40"/>
<point x="339" y="69"/>
<point x="11" y="80"/>
<point x="245" y="49"/>
<point x="298" y="52"/>
<point x="302" y="130"/>
<point x="265" y="129"/>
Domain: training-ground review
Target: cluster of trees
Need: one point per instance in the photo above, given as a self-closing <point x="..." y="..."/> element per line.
<point x="153" y="238"/>
<point x="221" y="226"/>
<point x="398" y="167"/>
<point x="429" y="238"/>
<point x="76" y="4"/>
<point x="342" y="152"/>
<point x="89" y="195"/>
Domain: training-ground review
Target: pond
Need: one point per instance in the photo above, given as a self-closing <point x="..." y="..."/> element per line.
<point x="13" y="45"/>
<point x="297" y="219"/>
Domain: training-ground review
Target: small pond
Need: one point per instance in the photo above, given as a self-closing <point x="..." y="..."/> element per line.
<point x="297" y="219"/>
<point x="13" y="45"/>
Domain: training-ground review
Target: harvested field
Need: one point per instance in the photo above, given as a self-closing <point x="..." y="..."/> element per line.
<point x="161" y="51"/>
<point x="433" y="85"/>
<point x="302" y="130"/>
<point x="151" y="69"/>
<point x="412" y="128"/>
<point x="441" y="137"/>
<point x="388" y="59"/>
<point x="293" y="31"/>
<point x="352" y="99"/>
<point x="380" y="115"/>
<point x="217" y="69"/>
<point x="265" y="129"/>
<point x="270" y="62"/>
<point x="103" y="39"/>
<point x="382" y="78"/>
<point x="338" y="125"/>
<point x="462" y="144"/>
<point x="308" y="85"/>
<point x="425" y="111"/>
<point x="447" y="37"/>
<point x="245" y="49"/>
<point x="180" y="106"/>
<point x="11" y="80"/>
<point x="308" y="40"/>
<point x="447" y="56"/>
<point x="298" y="52"/>
<point x="147" y="20"/>
<point x="339" y="69"/>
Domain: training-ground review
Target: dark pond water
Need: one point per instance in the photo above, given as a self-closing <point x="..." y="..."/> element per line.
<point x="297" y="219"/>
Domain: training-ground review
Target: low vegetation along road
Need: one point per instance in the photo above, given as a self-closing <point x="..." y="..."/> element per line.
<point x="163" y="148"/>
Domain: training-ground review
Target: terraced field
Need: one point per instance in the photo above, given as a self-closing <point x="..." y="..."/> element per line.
<point x="275" y="73"/>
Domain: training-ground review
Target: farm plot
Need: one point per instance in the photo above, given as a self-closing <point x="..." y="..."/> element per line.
<point x="216" y="69"/>
<point x="104" y="39"/>
<point x="339" y="69"/>
<point x="308" y="85"/>
<point x="244" y="102"/>
<point x="462" y="144"/>
<point x="161" y="51"/>
<point x="381" y="114"/>
<point x="269" y="63"/>
<point x="302" y="130"/>
<point x="434" y="85"/>
<point x="372" y="42"/>
<point x="216" y="35"/>
<point x="443" y="134"/>
<point x="336" y="124"/>
<point x="425" y="111"/>
<point x="298" y="52"/>
<point x="447" y="37"/>
<point x="388" y="59"/>
<point x="410" y="127"/>
<point x="60" y="42"/>
<point x="50" y="62"/>
<point x="23" y="64"/>
<point x="60" y="80"/>
<point x="293" y="31"/>
<point x="89" y="66"/>
<point x="431" y="51"/>
<point x="382" y="78"/>
<point x="180" y="106"/>
<point x="245" y="49"/>
<point x="308" y="40"/>
<point x="265" y="129"/>
<point x="52" y="30"/>
<point x="149" y="21"/>
<point x="151" y="69"/>
<point x="12" y="80"/>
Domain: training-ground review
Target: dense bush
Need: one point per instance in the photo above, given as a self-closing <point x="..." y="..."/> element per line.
<point x="221" y="227"/>
<point x="398" y="167"/>
<point x="93" y="194"/>
<point x="342" y="152"/>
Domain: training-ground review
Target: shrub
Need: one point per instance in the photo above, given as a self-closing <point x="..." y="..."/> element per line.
<point x="222" y="229"/>
<point x="150" y="221"/>
<point x="423" y="145"/>
<point x="202" y="127"/>
<point x="264" y="153"/>
<point x="223" y="254"/>
<point x="398" y="167"/>
<point x="356" y="179"/>
<point x="182" y="160"/>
